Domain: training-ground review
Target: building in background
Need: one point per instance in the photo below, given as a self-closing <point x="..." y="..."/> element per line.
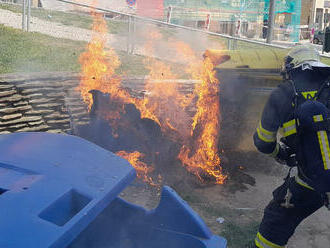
<point x="315" y="13"/>
<point x="241" y="17"/>
<point x="245" y="18"/>
<point x="150" y="8"/>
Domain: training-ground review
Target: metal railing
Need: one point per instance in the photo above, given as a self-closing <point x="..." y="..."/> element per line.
<point x="232" y="40"/>
<point x="132" y="24"/>
<point x="26" y="15"/>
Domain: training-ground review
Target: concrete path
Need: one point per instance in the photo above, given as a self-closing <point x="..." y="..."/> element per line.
<point x="57" y="30"/>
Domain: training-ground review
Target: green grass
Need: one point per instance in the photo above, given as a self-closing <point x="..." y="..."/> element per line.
<point x="68" y="18"/>
<point x="33" y="52"/>
<point x="238" y="236"/>
<point x="325" y="60"/>
<point x="131" y="65"/>
<point x="237" y="231"/>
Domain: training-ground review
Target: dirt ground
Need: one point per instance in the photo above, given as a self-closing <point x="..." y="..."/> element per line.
<point x="240" y="204"/>
<point x="241" y="200"/>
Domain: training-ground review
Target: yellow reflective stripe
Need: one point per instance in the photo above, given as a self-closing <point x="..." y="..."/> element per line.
<point x="325" y="150"/>
<point x="290" y="132"/>
<point x="266" y="135"/>
<point x="318" y="118"/>
<point x="289" y="128"/>
<point x="262" y="137"/>
<point x="324" y="143"/>
<point x="265" y="131"/>
<point x="276" y="150"/>
<point x="266" y="138"/>
<point x="258" y="244"/>
<point x="302" y="182"/>
<point x="311" y="93"/>
<point x="289" y="123"/>
<point x="261" y="242"/>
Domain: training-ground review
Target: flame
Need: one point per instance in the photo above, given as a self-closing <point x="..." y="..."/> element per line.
<point x="165" y="104"/>
<point x="203" y="157"/>
<point x="99" y="64"/>
<point x="142" y="169"/>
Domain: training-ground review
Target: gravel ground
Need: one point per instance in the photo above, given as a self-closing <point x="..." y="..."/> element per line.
<point x="57" y="30"/>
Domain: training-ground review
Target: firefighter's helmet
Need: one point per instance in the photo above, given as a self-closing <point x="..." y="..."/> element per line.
<point x="303" y="57"/>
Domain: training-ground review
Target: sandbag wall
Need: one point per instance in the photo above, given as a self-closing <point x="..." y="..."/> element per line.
<point x="41" y="102"/>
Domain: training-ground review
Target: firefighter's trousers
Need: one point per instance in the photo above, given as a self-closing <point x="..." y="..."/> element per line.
<point x="281" y="217"/>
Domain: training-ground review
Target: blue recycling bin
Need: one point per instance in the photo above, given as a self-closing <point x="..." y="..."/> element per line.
<point x="62" y="191"/>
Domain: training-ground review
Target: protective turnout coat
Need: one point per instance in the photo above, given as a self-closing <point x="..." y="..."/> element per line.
<point x="304" y="100"/>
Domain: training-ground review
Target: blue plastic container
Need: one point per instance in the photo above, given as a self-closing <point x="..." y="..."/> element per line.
<point x="61" y="191"/>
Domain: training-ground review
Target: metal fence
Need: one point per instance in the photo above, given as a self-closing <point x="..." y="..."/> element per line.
<point x="127" y="33"/>
<point x="135" y="24"/>
<point x="131" y="26"/>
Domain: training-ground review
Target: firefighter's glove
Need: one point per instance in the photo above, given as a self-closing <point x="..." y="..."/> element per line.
<point x="286" y="156"/>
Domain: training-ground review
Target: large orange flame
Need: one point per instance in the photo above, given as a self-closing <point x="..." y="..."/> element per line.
<point x="203" y="157"/>
<point x="164" y="104"/>
<point x="99" y="64"/>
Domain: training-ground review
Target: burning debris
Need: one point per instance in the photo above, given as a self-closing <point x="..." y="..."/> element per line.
<point x="156" y="126"/>
<point x="99" y="64"/>
<point x="120" y="128"/>
<point x="202" y="158"/>
<point x="142" y="169"/>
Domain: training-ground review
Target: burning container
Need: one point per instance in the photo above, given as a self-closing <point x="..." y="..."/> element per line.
<point x="61" y="191"/>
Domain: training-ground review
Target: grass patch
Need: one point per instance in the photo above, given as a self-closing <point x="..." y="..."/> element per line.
<point x="237" y="232"/>
<point x="239" y="228"/>
<point x="238" y="236"/>
<point x="33" y="52"/>
<point x="325" y="60"/>
<point x="68" y="18"/>
<point x="131" y="65"/>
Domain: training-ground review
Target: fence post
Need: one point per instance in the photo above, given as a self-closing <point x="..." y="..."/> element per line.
<point x="133" y="34"/>
<point x="129" y="35"/>
<point x="23" y="14"/>
<point x="229" y="41"/>
<point x="235" y="44"/>
<point x="271" y="21"/>
<point x="28" y="15"/>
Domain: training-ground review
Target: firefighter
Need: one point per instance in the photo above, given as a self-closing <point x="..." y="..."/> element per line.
<point x="298" y="110"/>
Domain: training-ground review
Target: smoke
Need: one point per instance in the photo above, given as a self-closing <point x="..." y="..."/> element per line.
<point x="198" y="41"/>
